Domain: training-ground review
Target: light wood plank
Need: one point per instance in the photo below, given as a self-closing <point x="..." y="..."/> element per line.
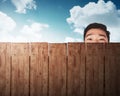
<point x="20" y="69"/>
<point x="39" y="69"/>
<point x="5" y="69"/>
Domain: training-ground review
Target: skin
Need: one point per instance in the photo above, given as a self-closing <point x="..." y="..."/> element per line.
<point x="96" y="36"/>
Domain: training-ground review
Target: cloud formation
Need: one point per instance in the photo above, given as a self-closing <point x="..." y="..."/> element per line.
<point x="70" y="39"/>
<point x="33" y="32"/>
<point x="7" y="24"/>
<point x="28" y="33"/>
<point x="23" y="5"/>
<point x="101" y="12"/>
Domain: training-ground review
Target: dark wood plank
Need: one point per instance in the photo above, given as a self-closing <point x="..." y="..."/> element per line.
<point x="112" y="71"/>
<point x="83" y="70"/>
<point x="39" y="69"/>
<point x="76" y="70"/>
<point x="91" y="69"/>
<point x="57" y="69"/>
<point x="117" y="61"/>
<point x="94" y="70"/>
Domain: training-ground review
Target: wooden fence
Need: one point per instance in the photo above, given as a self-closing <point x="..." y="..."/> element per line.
<point x="66" y="69"/>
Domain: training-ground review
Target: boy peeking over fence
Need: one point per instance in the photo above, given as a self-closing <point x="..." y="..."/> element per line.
<point x="96" y="33"/>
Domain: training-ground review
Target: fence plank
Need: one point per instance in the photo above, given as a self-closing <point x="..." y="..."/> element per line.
<point x="83" y="71"/>
<point x="42" y="69"/>
<point x="112" y="71"/>
<point x="4" y="69"/>
<point x="76" y="70"/>
<point x="117" y="61"/>
<point x="94" y="70"/>
<point x="20" y="69"/>
<point x="39" y="69"/>
<point x="57" y="69"/>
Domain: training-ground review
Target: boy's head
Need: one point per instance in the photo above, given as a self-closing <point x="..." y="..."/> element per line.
<point x="96" y="33"/>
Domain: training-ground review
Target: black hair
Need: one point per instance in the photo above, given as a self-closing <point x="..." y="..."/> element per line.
<point x="98" y="26"/>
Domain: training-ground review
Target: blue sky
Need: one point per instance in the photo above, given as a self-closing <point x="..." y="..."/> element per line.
<point x="56" y="20"/>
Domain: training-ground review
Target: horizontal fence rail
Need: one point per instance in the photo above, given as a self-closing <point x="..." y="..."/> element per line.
<point x="59" y="69"/>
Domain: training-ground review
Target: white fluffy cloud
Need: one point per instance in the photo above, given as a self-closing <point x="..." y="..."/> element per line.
<point x="33" y="32"/>
<point x="22" y="5"/>
<point x="101" y="12"/>
<point x="7" y="24"/>
<point x="70" y="39"/>
<point x="28" y="33"/>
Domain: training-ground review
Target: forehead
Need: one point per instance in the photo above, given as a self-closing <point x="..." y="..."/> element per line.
<point x="95" y="31"/>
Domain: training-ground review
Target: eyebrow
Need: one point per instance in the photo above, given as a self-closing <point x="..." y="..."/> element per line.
<point x="93" y="34"/>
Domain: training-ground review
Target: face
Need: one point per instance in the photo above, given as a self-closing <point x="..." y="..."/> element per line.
<point x="96" y="36"/>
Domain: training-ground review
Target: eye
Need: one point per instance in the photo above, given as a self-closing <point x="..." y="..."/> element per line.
<point x="89" y="38"/>
<point x="102" y="39"/>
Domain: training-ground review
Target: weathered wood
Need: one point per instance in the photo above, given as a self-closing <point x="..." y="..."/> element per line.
<point x="4" y="69"/>
<point x="76" y="70"/>
<point x="94" y="70"/>
<point x="39" y="69"/>
<point x="57" y="69"/>
<point x="83" y="71"/>
<point x="112" y="71"/>
<point x="20" y="70"/>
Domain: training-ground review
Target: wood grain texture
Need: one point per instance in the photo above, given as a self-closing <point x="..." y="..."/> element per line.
<point x="57" y="69"/>
<point x="20" y="70"/>
<point x="4" y="69"/>
<point x="39" y="69"/>
<point x="112" y="71"/>
<point x="76" y="70"/>
<point x="94" y="70"/>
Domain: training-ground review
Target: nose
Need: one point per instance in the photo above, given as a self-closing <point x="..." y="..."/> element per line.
<point x="95" y="39"/>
